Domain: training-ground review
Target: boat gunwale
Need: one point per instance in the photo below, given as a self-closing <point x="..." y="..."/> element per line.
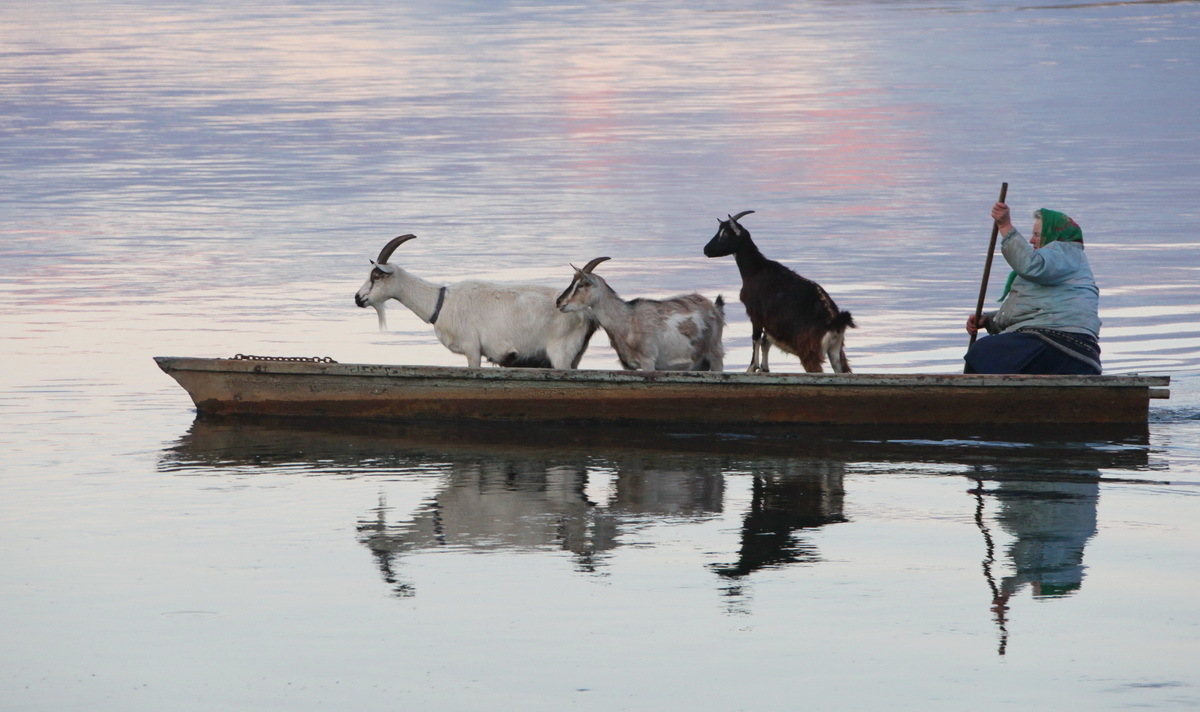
<point x="583" y="377"/>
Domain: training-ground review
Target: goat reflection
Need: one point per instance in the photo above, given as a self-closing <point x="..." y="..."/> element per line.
<point x="494" y="504"/>
<point x="783" y="503"/>
<point x="522" y="503"/>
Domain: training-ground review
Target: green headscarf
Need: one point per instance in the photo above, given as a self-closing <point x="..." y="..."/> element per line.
<point x="1056" y="227"/>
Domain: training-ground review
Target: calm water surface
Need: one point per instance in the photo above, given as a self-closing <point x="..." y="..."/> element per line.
<point x="183" y="179"/>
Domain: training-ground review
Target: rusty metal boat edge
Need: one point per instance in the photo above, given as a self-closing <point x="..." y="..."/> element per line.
<point x="327" y="389"/>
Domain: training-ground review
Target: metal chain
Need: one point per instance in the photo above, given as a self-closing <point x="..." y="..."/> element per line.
<point x="303" y="359"/>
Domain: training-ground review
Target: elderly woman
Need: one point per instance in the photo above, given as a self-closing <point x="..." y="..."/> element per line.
<point x="1048" y="321"/>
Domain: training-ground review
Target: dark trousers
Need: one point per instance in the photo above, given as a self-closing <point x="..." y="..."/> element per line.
<point x="1022" y="353"/>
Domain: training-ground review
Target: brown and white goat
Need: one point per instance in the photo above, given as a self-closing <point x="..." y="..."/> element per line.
<point x="508" y="324"/>
<point x="682" y="333"/>
<point x="785" y="309"/>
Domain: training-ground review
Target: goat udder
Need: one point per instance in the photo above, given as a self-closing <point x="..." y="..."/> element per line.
<point x="539" y="359"/>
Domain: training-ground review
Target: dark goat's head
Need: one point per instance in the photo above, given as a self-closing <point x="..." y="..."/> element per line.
<point x="729" y="238"/>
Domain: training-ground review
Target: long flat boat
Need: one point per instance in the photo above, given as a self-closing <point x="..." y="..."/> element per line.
<point x="275" y="386"/>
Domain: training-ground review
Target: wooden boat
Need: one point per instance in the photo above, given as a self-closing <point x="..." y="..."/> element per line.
<point x="324" y="388"/>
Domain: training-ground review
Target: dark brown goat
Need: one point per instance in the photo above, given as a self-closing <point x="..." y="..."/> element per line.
<point x="794" y="313"/>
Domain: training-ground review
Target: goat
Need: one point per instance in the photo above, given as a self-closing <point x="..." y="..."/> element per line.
<point x="514" y="325"/>
<point x="793" y="313"/>
<point x="682" y="333"/>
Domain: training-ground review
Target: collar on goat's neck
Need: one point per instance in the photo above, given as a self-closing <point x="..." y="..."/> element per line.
<point x="438" y="308"/>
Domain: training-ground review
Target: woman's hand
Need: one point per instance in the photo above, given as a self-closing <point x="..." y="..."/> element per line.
<point x="974" y="326"/>
<point x="1002" y="217"/>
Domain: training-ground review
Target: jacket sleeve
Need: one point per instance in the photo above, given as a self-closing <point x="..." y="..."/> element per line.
<point x="989" y="323"/>
<point x="1049" y="265"/>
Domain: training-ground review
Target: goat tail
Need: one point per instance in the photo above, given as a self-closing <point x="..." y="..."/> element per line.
<point x="842" y="321"/>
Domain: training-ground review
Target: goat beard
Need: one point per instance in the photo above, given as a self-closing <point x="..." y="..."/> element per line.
<point x="382" y="314"/>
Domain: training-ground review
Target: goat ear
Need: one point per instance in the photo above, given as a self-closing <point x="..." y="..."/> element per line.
<point x="384" y="267"/>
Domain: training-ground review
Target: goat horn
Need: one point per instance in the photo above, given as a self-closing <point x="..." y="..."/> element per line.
<point x="587" y="269"/>
<point x="389" y="248"/>
<point x="740" y="215"/>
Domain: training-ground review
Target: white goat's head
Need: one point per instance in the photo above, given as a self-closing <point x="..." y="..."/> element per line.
<point x="375" y="291"/>
<point x="581" y="293"/>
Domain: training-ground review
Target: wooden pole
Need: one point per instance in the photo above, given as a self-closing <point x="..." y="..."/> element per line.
<point x="987" y="267"/>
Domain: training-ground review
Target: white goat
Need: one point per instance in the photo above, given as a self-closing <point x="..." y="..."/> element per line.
<point x="510" y="325"/>
<point x="678" y="334"/>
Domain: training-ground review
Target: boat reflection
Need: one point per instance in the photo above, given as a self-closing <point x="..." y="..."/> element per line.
<point x="589" y="491"/>
<point x="317" y="442"/>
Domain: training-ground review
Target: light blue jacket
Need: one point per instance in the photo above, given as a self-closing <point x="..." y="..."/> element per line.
<point x="1054" y="288"/>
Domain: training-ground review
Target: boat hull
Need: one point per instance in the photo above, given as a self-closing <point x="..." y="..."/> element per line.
<point x="334" y="390"/>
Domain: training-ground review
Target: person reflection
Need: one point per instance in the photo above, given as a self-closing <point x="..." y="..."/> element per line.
<point x="1050" y="524"/>
<point x="806" y="497"/>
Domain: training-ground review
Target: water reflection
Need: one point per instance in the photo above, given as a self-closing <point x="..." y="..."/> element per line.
<point x="528" y="502"/>
<point x="588" y="491"/>
<point x="585" y="495"/>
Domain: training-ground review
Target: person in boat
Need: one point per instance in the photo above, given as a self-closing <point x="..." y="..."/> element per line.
<point x="1048" y="321"/>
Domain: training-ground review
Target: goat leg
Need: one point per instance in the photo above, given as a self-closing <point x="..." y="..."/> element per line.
<point x="836" y="352"/>
<point x="842" y="359"/>
<point x="766" y="347"/>
<point x="756" y="336"/>
<point x="753" y="356"/>
<point x="474" y="356"/>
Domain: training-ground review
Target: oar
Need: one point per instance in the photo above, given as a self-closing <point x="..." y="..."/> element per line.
<point x="999" y="606"/>
<point x="987" y="267"/>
